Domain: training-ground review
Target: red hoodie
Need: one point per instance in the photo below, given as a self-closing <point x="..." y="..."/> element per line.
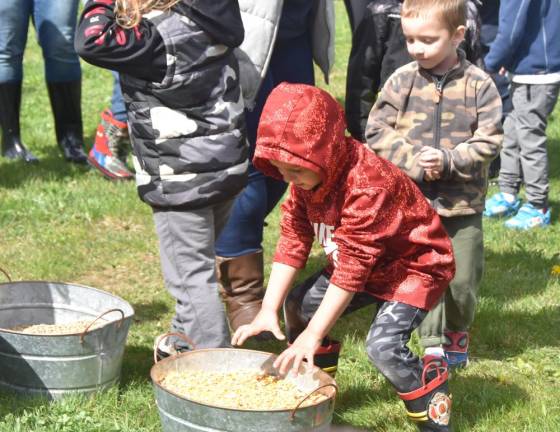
<point x="379" y="233"/>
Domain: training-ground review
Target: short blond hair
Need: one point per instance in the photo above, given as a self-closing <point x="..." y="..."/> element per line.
<point x="129" y="12"/>
<point x="453" y="13"/>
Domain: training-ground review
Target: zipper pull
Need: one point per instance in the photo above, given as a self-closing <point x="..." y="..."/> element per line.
<point x="437" y="98"/>
<point x="437" y="95"/>
<point x="439" y="83"/>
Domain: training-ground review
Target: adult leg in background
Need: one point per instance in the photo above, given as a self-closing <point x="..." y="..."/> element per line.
<point x="355" y="10"/>
<point x="532" y="119"/>
<point x="511" y="176"/>
<point x="239" y="248"/>
<point x="55" y="23"/>
<point x="14" y="25"/>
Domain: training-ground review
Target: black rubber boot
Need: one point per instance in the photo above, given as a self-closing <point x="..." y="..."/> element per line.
<point x="66" y="106"/>
<point x="430" y="405"/>
<point x="10" y="102"/>
<point x="326" y="357"/>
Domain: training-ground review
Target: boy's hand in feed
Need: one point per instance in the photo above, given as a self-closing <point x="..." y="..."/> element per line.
<point x="304" y="347"/>
<point x="266" y="320"/>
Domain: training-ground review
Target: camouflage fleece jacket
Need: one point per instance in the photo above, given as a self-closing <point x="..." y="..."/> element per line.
<point x="379" y="48"/>
<point x="459" y="113"/>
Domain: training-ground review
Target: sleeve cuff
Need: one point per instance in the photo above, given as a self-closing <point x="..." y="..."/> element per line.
<point x="349" y="281"/>
<point x="297" y="263"/>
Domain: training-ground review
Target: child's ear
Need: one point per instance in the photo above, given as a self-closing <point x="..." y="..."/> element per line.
<point x="459" y="35"/>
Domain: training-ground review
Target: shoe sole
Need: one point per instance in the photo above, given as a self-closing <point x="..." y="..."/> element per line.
<point x="526" y="228"/>
<point x="106" y="173"/>
<point x="505" y="214"/>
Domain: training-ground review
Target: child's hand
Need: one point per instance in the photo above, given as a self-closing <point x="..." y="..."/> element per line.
<point x="431" y="175"/>
<point x="431" y="158"/>
<point x="266" y="320"/>
<point x="304" y="347"/>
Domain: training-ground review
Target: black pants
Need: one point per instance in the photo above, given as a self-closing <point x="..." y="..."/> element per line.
<point x="388" y="335"/>
<point x="356" y="10"/>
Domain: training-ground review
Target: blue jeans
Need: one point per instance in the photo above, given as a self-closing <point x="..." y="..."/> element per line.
<point x="243" y="233"/>
<point x="117" y="101"/>
<point x="55" y="24"/>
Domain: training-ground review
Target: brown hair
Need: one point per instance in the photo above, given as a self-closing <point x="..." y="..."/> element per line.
<point x="453" y="13"/>
<point x="129" y="12"/>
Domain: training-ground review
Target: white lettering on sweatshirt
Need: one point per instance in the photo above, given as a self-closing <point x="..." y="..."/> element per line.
<point x="325" y="235"/>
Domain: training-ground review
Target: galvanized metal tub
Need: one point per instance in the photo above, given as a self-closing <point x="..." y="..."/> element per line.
<point x="56" y="365"/>
<point x="179" y="414"/>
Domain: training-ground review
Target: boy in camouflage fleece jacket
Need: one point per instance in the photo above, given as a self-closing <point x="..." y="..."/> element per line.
<point x="439" y="119"/>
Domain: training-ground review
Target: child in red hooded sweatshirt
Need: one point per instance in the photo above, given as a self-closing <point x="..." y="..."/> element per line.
<point x="384" y="244"/>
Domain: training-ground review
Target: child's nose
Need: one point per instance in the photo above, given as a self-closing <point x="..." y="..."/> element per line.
<point x="417" y="48"/>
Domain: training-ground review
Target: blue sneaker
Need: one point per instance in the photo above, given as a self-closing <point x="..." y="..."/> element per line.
<point x="498" y="206"/>
<point x="529" y="217"/>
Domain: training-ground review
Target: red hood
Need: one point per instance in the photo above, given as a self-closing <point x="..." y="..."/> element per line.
<point x="303" y="125"/>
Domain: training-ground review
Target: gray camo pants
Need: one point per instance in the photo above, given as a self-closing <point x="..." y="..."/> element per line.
<point x="188" y="264"/>
<point x="388" y="336"/>
<point x="524" y="156"/>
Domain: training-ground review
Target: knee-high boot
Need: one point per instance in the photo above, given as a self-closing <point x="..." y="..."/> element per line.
<point x="241" y="282"/>
<point x="10" y="103"/>
<point x="430" y="405"/>
<point x="66" y="98"/>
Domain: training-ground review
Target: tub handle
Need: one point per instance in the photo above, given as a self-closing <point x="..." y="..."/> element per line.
<point x="6" y="274"/>
<point x="165" y="336"/>
<point x="83" y="334"/>
<point x="293" y="413"/>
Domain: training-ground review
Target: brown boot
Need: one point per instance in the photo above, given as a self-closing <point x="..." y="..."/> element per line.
<point x="241" y="282"/>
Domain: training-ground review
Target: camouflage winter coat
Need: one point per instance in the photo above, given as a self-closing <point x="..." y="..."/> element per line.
<point x="459" y="113"/>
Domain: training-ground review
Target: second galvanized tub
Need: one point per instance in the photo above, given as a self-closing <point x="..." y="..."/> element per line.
<point x="179" y="414"/>
<point x="58" y="365"/>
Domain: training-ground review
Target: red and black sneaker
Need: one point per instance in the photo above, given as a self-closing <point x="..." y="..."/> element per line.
<point x="110" y="149"/>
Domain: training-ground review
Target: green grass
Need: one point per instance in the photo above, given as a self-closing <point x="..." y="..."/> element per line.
<point x="65" y="223"/>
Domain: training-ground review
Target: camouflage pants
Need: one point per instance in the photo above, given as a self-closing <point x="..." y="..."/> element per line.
<point x="388" y="336"/>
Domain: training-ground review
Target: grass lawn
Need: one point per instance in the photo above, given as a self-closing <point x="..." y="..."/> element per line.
<point x="64" y="223"/>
